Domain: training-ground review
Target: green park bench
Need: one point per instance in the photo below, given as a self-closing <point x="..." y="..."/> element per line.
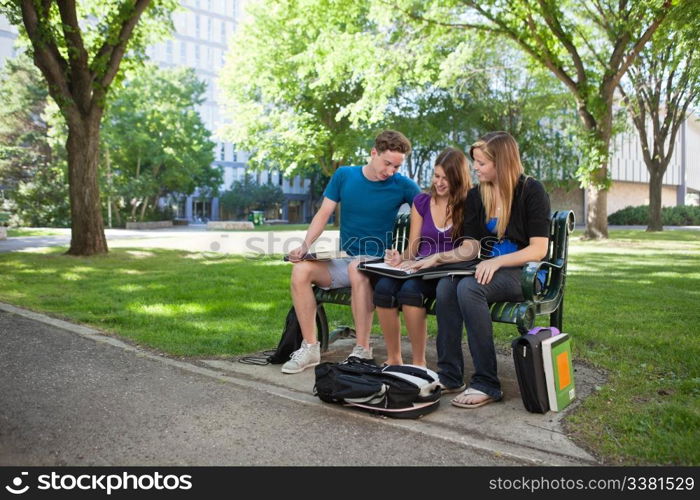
<point x="548" y="299"/>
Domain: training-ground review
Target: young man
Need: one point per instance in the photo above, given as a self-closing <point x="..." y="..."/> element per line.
<point x="369" y="198"/>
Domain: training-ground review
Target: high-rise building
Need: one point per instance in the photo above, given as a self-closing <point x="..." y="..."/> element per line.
<point x="8" y="34"/>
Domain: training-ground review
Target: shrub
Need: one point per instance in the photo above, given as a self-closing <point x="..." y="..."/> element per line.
<point x="683" y="215"/>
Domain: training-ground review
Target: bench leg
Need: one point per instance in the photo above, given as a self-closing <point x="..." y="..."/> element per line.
<point x="557" y="317"/>
<point x="322" y="327"/>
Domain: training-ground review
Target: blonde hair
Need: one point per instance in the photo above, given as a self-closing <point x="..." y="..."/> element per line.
<point x="503" y="151"/>
<point x="456" y="166"/>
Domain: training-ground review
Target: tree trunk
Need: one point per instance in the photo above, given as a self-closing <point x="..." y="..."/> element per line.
<point x="117" y="214"/>
<point x="597" y="190"/>
<point x="87" y="225"/>
<point x="597" y="216"/>
<point x="656" y="175"/>
<point x="143" y="208"/>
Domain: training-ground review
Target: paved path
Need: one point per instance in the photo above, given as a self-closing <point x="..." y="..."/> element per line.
<point x="189" y="238"/>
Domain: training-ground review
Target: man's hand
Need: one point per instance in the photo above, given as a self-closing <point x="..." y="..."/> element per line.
<point x="298" y="253"/>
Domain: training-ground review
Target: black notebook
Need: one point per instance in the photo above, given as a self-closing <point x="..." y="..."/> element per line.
<point x="464" y="268"/>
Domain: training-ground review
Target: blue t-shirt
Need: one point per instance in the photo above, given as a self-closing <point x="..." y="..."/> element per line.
<point x="368" y="208"/>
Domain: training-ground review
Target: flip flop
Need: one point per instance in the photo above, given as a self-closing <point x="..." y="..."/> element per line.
<point x="452" y="390"/>
<point x="473" y="392"/>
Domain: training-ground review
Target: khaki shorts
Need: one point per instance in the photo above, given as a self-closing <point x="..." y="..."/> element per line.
<point x="338" y="269"/>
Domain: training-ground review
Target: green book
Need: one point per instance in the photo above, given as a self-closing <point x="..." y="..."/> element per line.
<point x="558" y="371"/>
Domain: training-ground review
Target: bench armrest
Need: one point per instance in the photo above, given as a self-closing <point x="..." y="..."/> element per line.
<point x="532" y="290"/>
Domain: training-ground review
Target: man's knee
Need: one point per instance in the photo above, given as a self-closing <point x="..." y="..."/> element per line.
<point x="306" y="273"/>
<point x="356" y="277"/>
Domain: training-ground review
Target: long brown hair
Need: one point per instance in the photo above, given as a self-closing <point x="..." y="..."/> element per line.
<point x="503" y="151"/>
<point x="456" y="166"/>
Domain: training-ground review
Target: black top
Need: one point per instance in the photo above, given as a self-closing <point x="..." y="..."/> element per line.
<point x="530" y="215"/>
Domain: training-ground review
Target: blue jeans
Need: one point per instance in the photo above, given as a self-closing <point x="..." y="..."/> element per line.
<point x="466" y="302"/>
<point x="392" y="292"/>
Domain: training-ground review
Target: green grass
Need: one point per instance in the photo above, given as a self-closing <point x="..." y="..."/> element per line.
<point x="278" y="227"/>
<point x="286" y="227"/>
<point x="181" y="303"/>
<point x="631" y="309"/>
<point x="20" y="232"/>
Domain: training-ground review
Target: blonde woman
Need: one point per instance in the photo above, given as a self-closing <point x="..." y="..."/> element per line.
<point x="507" y="218"/>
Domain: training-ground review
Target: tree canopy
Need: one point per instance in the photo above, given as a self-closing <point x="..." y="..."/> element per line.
<point x="588" y="46"/>
<point x="154" y="141"/>
<point x="302" y="84"/>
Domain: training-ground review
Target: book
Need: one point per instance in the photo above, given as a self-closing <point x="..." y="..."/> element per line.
<point x="558" y="371"/>
<point x="458" y="268"/>
<point x="322" y="255"/>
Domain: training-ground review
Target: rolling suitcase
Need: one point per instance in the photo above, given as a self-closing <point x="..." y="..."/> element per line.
<point x="529" y="367"/>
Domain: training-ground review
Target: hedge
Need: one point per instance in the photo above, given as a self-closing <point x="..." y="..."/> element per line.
<point x="683" y="215"/>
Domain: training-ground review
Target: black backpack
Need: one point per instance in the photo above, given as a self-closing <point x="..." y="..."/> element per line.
<point x="404" y="391"/>
<point x="290" y="342"/>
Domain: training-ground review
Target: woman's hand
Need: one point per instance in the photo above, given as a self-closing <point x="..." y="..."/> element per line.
<point x="424" y="263"/>
<point x="486" y="269"/>
<point x="392" y="257"/>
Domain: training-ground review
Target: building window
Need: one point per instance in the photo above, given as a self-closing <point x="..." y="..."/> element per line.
<point x="209" y="27"/>
<point x="223" y="31"/>
<point x="196" y="55"/>
<point x="222" y="151"/>
<point x="197" y="32"/>
<point x="169" y="51"/>
<point x="183" y="52"/>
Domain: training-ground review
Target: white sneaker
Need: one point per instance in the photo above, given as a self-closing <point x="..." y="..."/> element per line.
<point x="360" y="352"/>
<point x="306" y="356"/>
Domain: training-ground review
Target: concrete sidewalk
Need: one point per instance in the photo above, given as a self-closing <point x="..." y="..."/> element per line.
<point x="504" y="428"/>
<point x="502" y="432"/>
